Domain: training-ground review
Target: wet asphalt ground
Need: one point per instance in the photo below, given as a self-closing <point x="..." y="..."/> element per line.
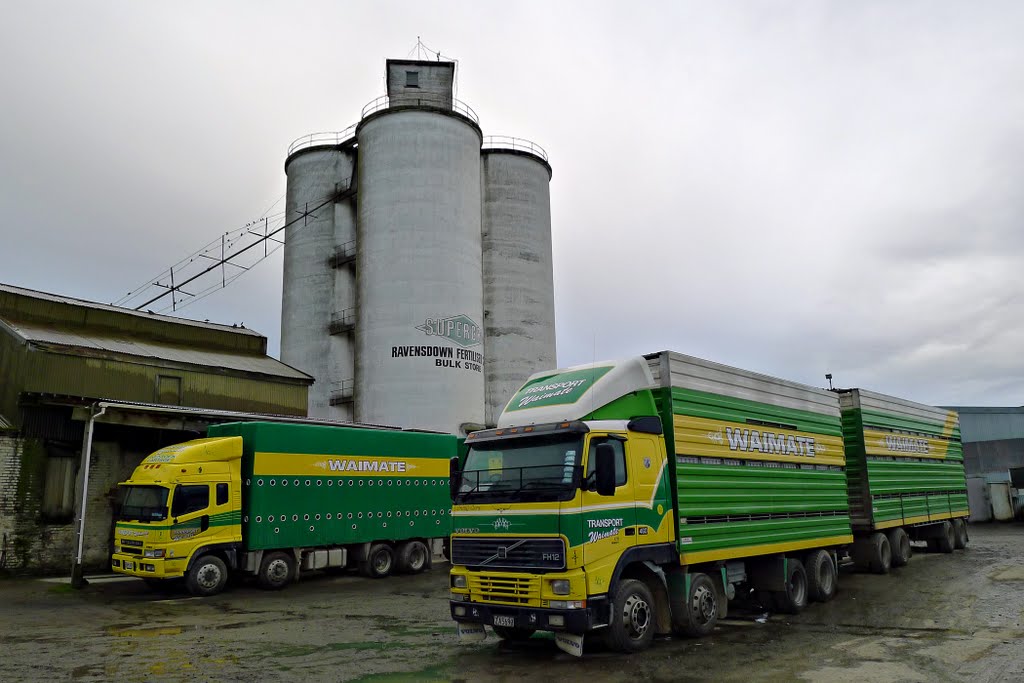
<point x="953" y="617"/>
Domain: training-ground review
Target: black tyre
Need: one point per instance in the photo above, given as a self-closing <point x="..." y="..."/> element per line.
<point x="412" y="557"/>
<point x="960" y="533"/>
<point x="899" y="546"/>
<point x="881" y="553"/>
<point x="207" y="576"/>
<point x="822" y="579"/>
<point x="277" y="570"/>
<point x="699" y="614"/>
<point x="946" y="540"/>
<point x="631" y="628"/>
<point x="794" y="598"/>
<point x="514" y="634"/>
<point x="379" y="562"/>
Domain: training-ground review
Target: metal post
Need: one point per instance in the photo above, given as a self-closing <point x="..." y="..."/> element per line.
<point x="77" y="580"/>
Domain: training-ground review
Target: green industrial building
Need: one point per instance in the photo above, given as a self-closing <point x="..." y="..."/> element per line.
<point x="74" y="372"/>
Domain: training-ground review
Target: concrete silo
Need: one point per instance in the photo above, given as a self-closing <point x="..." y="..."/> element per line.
<point x="420" y="294"/>
<point x="318" y="288"/>
<point x="519" y="305"/>
<point x="419" y="340"/>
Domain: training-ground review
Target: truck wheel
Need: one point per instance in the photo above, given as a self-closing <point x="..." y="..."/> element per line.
<point x="207" y="576"/>
<point x="794" y="598"/>
<point x="513" y="633"/>
<point x="899" y="546"/>
<point x="631" y="628"/>
<point x="881" y="553"/>
<point x="379" y="561"/>
<point x="959" y="533"/>
<point x="413" y="557"/>
<point x="821" y="576"/>
<point x="276" y="570"/>
<point x="946" y="541"/>
<point x="699" y="615"/>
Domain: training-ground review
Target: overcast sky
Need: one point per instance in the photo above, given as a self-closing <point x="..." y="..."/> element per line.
<point x="789" y="187"/>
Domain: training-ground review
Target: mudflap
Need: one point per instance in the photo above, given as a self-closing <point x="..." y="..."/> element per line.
<point x="470" y="633"/>
<point x="569" y="642"/>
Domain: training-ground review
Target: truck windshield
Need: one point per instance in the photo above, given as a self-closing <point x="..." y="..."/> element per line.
<point x="142" y="503"/>
<point x="537" y="468"/>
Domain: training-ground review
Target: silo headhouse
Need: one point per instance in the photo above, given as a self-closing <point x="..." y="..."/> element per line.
<point x="417" y="263"/>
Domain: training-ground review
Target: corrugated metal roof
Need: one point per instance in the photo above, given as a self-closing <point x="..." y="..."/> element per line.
<point x="5" y="423"/>
<point x="985" y="423"/>
<point x="56" y="298"/>
<point x="265" y="365"/>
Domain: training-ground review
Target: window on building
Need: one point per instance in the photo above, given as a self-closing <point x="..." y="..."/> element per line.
<point x="412" y="79"/>
<point x="222" y="494"/>
<point x="190" y="499"/>
<point x="59" y="484"/>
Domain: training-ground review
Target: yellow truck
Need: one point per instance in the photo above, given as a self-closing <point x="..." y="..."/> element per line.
<point x="275" y="499"/>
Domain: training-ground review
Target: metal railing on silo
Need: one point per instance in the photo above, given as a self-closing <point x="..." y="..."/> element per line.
<point x="342" y="321"/>
<point x="425" y="100"/>
<point x="323" y="139"/>
<point x="342" y="392"/>
<point x="517" y="144"/>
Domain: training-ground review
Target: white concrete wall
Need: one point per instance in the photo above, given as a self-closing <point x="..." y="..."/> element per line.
<point x="419" y="259"/>
<point x="308" y="296"/>
<point x="519" y="304"/>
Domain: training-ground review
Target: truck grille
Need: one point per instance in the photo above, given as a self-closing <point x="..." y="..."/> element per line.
<point x="507" y="590"/>
<point x="509" y="553"/>
<point x="131" y="551"/>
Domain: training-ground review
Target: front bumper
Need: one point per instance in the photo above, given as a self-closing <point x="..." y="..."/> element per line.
<point x="146" y="567"/>
<point x="576" y="621"/>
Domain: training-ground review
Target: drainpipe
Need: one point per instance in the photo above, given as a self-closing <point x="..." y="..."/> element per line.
<point x="77" y="580"/>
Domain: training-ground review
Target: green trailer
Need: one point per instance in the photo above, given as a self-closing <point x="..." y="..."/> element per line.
<point x="905" y="474"/>
<point x="274" y="499"/>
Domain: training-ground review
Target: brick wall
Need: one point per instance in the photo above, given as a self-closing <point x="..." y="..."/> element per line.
<point x="29" y="544"/>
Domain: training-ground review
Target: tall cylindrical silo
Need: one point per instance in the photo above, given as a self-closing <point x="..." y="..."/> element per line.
<point x="316" y="174"/>
<point x="419" y="342"/>
<point x="519" y="303"/>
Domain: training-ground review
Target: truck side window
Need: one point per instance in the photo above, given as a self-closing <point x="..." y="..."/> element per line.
<point x="222" y="494"/>
<point x="620" y="459"/>
<point x="190" y="499"/>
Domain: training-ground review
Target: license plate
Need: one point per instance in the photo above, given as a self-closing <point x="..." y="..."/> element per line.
<point x="500" y="620"/>
<point x="128" y="565"/>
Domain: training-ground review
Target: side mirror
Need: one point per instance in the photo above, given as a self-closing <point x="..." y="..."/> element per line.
<point x="454" y="478"/>
<point x="604" y="469"/>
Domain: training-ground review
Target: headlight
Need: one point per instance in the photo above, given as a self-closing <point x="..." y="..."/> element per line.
<point x="459" y="581"/>
<point x="560" y="586"/>
<point x="154" y="553"/>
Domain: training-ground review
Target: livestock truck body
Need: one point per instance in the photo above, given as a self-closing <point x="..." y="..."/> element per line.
<point x="274" y="499"/>
<point x="905" y="475"/>
<point x="637" y="497"/>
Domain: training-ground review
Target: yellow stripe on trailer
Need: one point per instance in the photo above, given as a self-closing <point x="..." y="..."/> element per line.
<point x="921" y="519"/>
<point x="698" y="436"/>
<point x="307" y="464"/>
<point x="896" y="445"/>
<point x="765" y="549"/>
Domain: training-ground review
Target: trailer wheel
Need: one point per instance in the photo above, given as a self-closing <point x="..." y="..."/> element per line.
<point x="276" y="570"/>
<point x="699" y="614"/>
<point x="899" y="546"/>
<point x="631" y="628"/>
<point x="379" y="561"/>
<point x="821" y="576"/>
<point x="208" y="576"/>
<point x="881" y="553"/>
<point x="946" y="540"/>
<point x="413" y="557"/>
<point x="514" y="633"/>
<point x="959" y="533"/>
<point x="794" y="598"/>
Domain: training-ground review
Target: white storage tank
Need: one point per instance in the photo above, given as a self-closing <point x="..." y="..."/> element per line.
<point x="315" y="289"/>
<point x="519" y="306"/>
<point x="419" y="340"/>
